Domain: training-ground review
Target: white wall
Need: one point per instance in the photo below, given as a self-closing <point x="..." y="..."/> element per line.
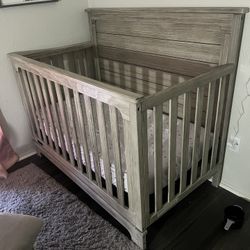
<point x="34" y="27"/>
<point x="236" y="175"/>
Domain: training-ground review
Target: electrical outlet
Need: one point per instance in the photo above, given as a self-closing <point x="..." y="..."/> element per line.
<point x="234" y="144"/>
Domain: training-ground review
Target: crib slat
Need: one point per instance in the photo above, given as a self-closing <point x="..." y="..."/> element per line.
<point x="71" y="121"/>
<point x="34" y="95"/>
<point x="82" y="62"/>
<point x="143" y="124"/>
<point x="82" y="132"/>
<point x="92" y="132"/>
<point x="173" y="109"/>
<point x="64" y="123"/>
<point x="31" y="104"/>
<point x="71" y="62"/>
<point x="158" y="156"/>
<point x="185" y="141"/>
<point x="217" y="127"/>
<point x="209" y="114"/>
<point x="197" y="130"/>
<point x="42" y="105"/>
<point x="60" y="61"/>
<point x="79" y="62"/>
<point x="104" y="146"/>
<point x="56" y="118"/>
<point x="51" y="122"/>
<point x="117" y="153"/>
<point x="85" y="64"/>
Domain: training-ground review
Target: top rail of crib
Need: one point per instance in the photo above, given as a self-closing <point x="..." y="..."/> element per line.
<point x="42" y="53"/>
<point x="106" y="93"/>
<point x="93" y="88"/>
<point x="187" y="86"/>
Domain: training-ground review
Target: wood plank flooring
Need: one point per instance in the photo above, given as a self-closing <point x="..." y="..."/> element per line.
<point x="195" y="223"/>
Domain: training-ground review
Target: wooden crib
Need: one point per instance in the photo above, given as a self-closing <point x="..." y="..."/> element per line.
<point x="139" y="116"/>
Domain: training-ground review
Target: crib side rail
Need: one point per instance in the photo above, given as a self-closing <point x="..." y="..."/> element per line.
<point x="194" y="145"/>
<point x="65" y="107"/>
<point x="44" y="53"/>
<point x="76" y="58"/>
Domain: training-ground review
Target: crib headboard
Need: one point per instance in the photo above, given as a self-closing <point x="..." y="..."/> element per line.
<point x="135" y="45"/>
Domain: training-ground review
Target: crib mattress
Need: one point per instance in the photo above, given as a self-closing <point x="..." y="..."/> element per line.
<point x="150" y="151"/>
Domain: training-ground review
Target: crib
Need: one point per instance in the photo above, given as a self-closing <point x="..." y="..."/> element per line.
<point x="139" y="116"/>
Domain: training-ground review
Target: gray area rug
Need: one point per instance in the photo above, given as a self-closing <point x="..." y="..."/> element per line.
<point x="68" y="222"/>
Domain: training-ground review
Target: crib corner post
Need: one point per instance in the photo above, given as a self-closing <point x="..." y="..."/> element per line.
<point x="216" y="179"/>
<point x="139" y="238"/>
<point x="138" y="194"/>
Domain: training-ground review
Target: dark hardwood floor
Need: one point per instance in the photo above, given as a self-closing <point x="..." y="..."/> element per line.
<point x="195" y="223"/>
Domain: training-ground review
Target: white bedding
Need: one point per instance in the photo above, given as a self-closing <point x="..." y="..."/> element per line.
<point x="150" y="152"/>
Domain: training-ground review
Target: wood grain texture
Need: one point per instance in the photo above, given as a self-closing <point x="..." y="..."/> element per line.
<point x="197" y="132"/>
<point x="152" y="11"/>
<point x="172" y="148"/>
<point x="153" y="61"/>
<point x="185" y="142"/>
<point x="204" y="33"/>
<point x="30" y="103"/>
<point x="194" y="51"/>
<point x="115" y="138"/>
<point x="158" y="111"/>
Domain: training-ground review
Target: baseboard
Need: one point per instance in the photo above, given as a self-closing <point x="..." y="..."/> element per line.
<point x="234" y="191"/>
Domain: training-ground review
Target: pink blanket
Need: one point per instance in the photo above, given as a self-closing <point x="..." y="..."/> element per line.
<point x="7" y="156"/>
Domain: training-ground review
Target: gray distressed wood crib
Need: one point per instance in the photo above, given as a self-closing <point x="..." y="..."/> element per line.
<point x="139" y="116"/>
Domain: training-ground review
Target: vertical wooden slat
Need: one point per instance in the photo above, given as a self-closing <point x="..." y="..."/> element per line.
<point x="197" y="130"/>
<point x="104" y="146"/>
<point x="78" y="55"/>
<point x="31" y="103"/>
<point x="82" y="132"/>
<point x="64" y="123"/>
<point x="42" y="105"/>
<point x="208" y="123"/>
<point x="34" y="95"/>
<point x="85" y="64"/>
<point x="49" y="112"/>
<point x="60" y="61"/>
<point x="56" y="118"/>
<point x="185" y="141"/>
<point x="71" y="121"/>
<point x="143" y="140"/>
<point x="158" y="156"/>
<point x="173" y="109"/>
<point x="71" y="62"/>
<point x="117" y="153"/>
<point x="96" y="58"/>
<point x="92" y="132"/>
<point x="218" y="121"/>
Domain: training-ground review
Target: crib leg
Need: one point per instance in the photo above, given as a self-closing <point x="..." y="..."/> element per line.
<point x="139" y="238"/>
<point x="217" y="178"/>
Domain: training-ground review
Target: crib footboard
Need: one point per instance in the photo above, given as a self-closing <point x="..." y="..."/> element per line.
<point x="205" y="99"/>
